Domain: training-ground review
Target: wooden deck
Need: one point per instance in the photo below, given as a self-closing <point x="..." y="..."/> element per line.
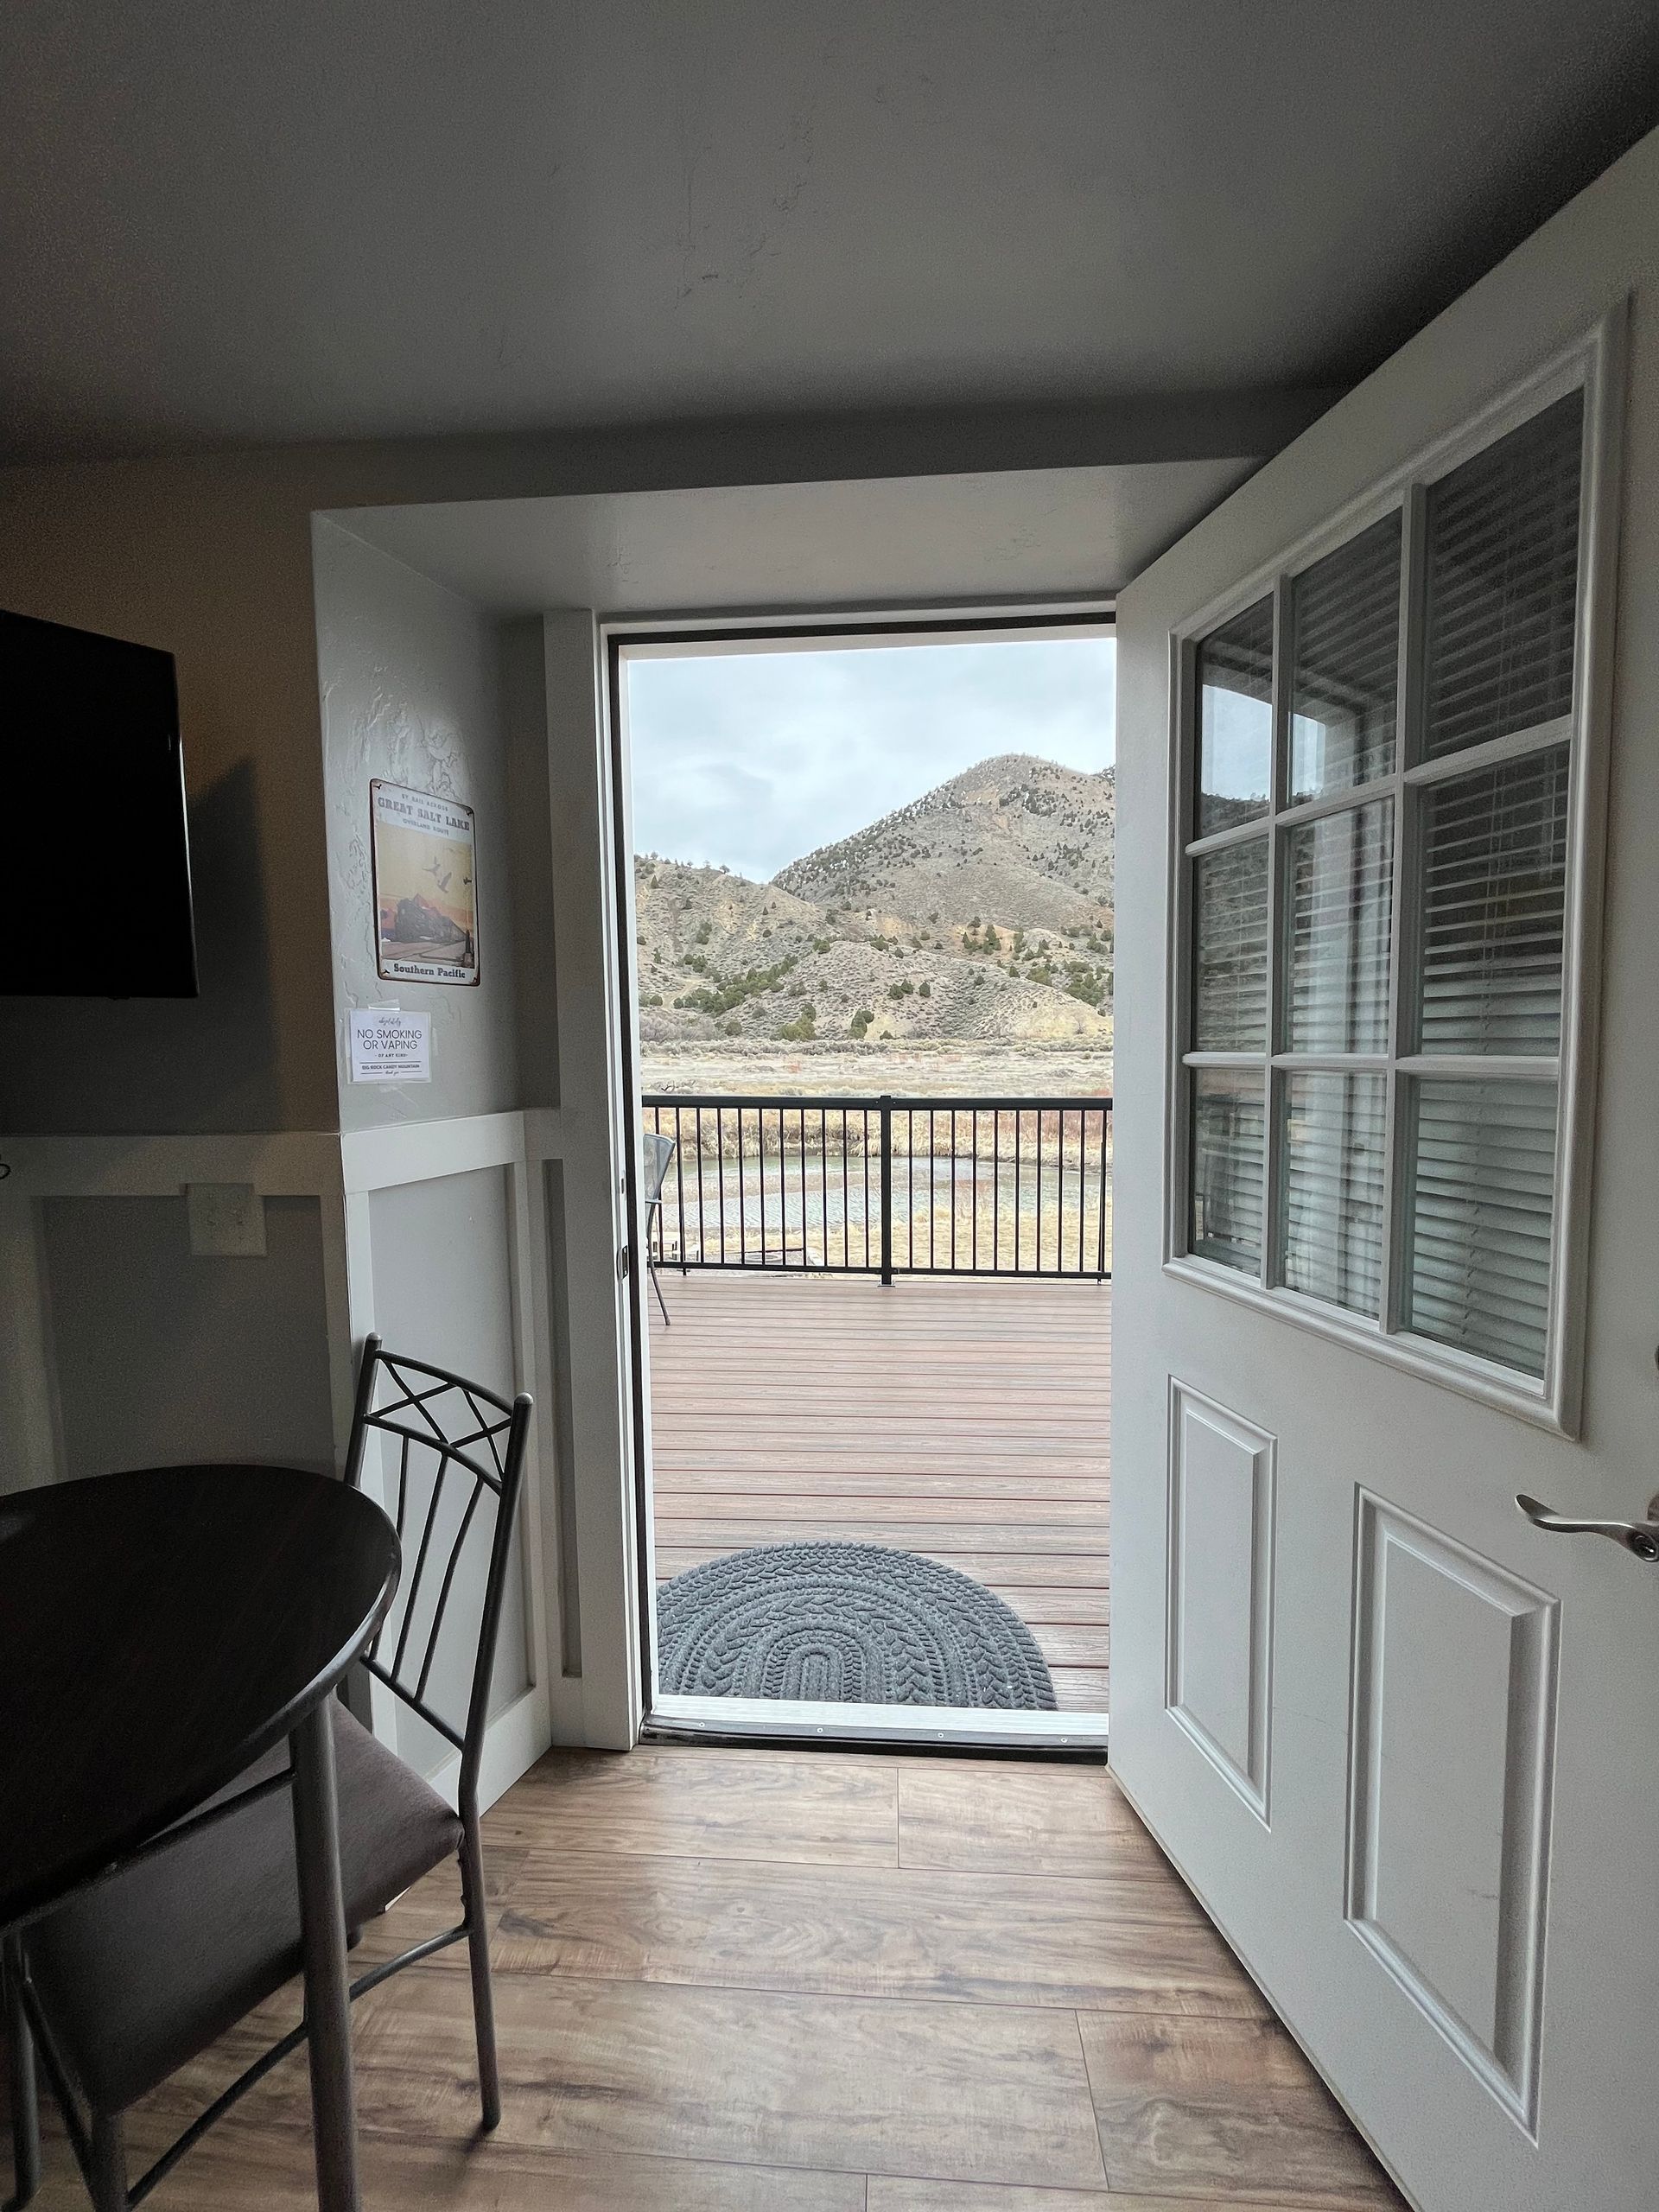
<point x="965" y="1420"/>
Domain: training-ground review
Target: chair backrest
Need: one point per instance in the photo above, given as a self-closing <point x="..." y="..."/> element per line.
<point x="656" y="1151"/>
<point x="457" y="1444"/>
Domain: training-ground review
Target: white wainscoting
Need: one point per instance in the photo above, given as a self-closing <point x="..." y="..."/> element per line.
<point x="343" y="1173"/>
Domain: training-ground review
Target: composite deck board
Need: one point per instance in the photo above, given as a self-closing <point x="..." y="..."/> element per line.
<point x="967" y="1421"/>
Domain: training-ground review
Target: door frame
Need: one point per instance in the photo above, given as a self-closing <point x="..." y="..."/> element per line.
<point x="779" y="1721"/>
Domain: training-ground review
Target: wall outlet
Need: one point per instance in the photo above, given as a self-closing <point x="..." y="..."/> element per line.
<point x="227" y="1221"/>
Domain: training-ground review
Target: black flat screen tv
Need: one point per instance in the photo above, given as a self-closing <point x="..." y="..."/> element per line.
<point x="97" y="866"/>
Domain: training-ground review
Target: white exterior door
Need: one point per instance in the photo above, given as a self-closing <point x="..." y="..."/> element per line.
<point x="1405" y="1744"/>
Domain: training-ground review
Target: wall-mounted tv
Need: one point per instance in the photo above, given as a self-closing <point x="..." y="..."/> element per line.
<point x="96" y="850"/>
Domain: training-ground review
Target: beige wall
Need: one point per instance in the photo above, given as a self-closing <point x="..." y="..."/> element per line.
<point x="214" y="565"/>
<point x="212" y="560"/>
<point x="409" y="675"/>
<point x="164" y="1357"/>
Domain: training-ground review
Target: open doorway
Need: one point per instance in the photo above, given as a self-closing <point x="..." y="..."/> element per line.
<point x="870" y="914"/>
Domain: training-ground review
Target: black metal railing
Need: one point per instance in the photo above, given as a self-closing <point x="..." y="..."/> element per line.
<point x="886" y="1185"/>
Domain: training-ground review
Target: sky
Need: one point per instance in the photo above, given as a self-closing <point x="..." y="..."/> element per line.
<point x="752" y="759"/>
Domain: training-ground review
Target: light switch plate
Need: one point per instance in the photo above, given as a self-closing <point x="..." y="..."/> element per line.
<point x="227" y="1221"/>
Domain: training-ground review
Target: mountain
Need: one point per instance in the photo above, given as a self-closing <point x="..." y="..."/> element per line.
<point x="983" y="910"/>
<point x="1017" y="840"/>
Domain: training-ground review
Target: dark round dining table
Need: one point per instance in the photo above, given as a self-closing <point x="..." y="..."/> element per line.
<point x="159" y="1631"/>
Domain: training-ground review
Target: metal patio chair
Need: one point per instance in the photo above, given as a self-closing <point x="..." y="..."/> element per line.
<point x="656" y="1155"/>
<point x="131" y="1979"/>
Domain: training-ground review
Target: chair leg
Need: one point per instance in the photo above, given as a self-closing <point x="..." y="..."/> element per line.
<point x="108" y="2178"/>
<point x="20" y="2078"/>
<point x="477" y="1947"/>
<point x="650" y="1269"/>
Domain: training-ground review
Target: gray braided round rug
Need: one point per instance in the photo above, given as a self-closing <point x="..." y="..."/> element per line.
<point x="853" y="1624"/>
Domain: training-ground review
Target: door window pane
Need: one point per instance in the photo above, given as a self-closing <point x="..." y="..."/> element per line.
<point x="1345" y="676"/>
<point x="1332" y="1140"/>
<point x="1234" y="720"/>
<point x="1338" y="907"/>
<point x="1230" y="996"/>
<point x="1494" y="877"/>
<point x="1482" y="1182"/>
<point x="1502" y="584"/>
<point x="1228" y="1166"/>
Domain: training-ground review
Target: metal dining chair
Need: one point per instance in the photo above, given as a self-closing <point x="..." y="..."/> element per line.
<point x="656" y="1155"/>
<point x="134" y="1977"/>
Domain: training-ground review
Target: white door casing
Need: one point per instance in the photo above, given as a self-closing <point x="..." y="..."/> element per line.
<point x="1400" y="1741"/>
<point x="594" y="1167"/>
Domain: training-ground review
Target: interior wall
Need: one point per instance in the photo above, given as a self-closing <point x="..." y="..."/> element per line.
<point x="214" y="560"/>
<point x="529" y="812"/>
<point x="224" y="582"/>
<point x="443" y="1293"/>
<point x="211" y="559"/>
<point x="409" y="676"/>
<point x="163" y="1357"/>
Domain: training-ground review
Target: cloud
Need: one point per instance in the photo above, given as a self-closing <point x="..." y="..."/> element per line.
<point x="753" y="759"/>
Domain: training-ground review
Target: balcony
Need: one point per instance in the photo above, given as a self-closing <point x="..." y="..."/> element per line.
<point x="891" y="1324"/>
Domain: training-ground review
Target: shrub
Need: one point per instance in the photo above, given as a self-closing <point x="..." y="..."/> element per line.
<point x="860" y="1021"/>
<point x="802" y="1030"/>
<point x="924" y="990"/>
<point x="733" y="1029"/>
<point x="721" y="998"/>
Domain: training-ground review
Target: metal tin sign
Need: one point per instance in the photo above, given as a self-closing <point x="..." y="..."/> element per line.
<point x="425" y="895"/>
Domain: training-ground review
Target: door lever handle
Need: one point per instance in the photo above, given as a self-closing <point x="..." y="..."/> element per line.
<point x="1641" y="1537"/>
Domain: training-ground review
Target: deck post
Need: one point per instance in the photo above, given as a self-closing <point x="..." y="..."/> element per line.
<point x="886" y="1104"/>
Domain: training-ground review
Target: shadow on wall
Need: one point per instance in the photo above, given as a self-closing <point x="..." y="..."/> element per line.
<point x="152" y="1066"/>
<point x="164" y="1357"/>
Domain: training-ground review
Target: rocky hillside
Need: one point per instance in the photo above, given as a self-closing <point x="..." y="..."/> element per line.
<point x="1021" y="841"/>
<point x="983" y="911"/>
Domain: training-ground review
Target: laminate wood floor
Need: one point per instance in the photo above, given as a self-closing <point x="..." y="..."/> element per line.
<point x="767" y="1981"/>
<point x="968" y="1419"/>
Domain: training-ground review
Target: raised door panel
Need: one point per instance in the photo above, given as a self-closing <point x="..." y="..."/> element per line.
<point x="1218" y="1666"/>
<point x="1451" y="1752"/>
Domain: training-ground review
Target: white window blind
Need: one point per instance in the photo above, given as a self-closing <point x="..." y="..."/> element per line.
<point x="1482" y="1173"/>
<point x="1377" y="888"/>
<point x="1339" y="904"/>
<point x="1495" y="908"/>
<point x="1345" y="610"/>
<point x="1334" y="1133"/>
<point x="1502" y="584"/>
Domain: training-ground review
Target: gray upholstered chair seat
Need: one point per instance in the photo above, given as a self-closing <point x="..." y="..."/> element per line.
<point x="146" y="1969"/>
